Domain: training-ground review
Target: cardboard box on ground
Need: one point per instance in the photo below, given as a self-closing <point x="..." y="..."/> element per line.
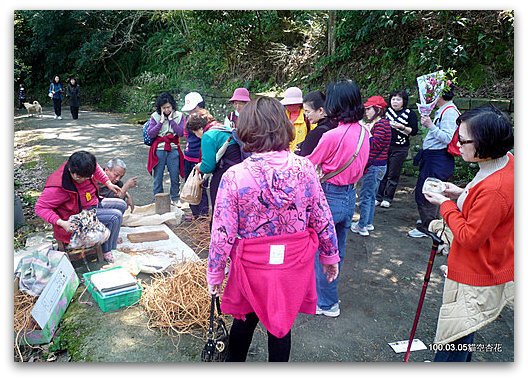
<point x="51" y="304"/>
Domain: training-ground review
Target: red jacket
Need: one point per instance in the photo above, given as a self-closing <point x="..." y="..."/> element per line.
<point x="483" y="243"/>
<point x="59" y="200"/>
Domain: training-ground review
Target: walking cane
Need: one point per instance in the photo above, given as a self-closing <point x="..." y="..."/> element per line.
<point x="434" y="249"/>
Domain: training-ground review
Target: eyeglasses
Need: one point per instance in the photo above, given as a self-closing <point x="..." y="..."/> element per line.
<point x="464" y="142"/>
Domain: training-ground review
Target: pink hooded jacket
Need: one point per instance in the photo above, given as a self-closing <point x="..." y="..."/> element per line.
<point x="270" y="199"/>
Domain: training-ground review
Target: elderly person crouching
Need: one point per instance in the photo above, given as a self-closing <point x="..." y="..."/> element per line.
<point x="115" y="169"/>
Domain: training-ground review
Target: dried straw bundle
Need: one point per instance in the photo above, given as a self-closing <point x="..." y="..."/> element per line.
<point x="23" y="303"/>
<point x="178" y="301"/>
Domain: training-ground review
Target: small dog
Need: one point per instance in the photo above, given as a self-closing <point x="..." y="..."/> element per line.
<point x="33" y="108"/>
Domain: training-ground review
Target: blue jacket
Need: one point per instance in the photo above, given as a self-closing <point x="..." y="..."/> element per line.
<point x="57" y="87"/>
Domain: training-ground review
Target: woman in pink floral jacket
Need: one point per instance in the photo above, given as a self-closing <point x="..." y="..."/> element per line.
<point x="271" y="218"/>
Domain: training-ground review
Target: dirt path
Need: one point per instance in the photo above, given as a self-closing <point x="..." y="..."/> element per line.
<point x="380" y="285"/>
<point x="105" y="135"/>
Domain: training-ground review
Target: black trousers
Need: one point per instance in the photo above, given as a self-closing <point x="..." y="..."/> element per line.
<point x="240" y="338"/>
<point x="57" y="106"/>
<point x="389" y="183"/>
<point x="74" y="112"/>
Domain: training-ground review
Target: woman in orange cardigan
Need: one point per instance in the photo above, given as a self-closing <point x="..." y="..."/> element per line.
<point x="479" y="278"/>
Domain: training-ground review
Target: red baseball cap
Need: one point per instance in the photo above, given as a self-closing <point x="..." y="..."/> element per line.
<point x="375" y="101"/>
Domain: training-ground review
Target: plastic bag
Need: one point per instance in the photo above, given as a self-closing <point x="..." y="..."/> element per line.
<point x="192" y="189"/>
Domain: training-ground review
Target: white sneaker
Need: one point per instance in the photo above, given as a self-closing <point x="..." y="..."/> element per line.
<point x="54" y="116"/>
<point x="416" y="233"/>
<point x="359" y="230"/>
<point x="370" y="227"/>
<point x="376" y="203"/>
<point x="60" y="117"/>
<point x="385" y="204"/>
<point x="332" y="312"/>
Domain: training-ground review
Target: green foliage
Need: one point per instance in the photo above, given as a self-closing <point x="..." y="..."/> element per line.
<point x="112" y="52"/>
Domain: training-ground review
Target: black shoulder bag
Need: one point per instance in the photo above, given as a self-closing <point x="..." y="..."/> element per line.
<point x="215" y="350"/>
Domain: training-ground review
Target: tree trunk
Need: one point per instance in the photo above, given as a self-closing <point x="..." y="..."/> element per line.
<point x="331" y="32"/>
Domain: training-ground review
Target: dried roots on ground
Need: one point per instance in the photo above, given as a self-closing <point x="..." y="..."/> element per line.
<point x="23" y="321"/>
<point x="179" y="301"/>
<point x="196" y="235"/>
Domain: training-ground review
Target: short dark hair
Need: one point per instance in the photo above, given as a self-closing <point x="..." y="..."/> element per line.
<point x="199" y="119"/>
<point x="490" y="129"/>
<point x="165" y="98"/>
<point x="316" y="99"/>
<point x="82" y="163"/>
<point x="402" y="94"/>
<point x="343" y="101"/>
<point x="264" y="127"/>
<point x="450" y="93"/>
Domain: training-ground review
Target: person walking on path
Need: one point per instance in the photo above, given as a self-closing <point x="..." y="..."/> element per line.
<point x="334" y="151"/>
<point x="74" y="93"/>
<point x="271" y="217"/>
<point x="433" y="159"/>
<point x="21" y="96"/>
<point x="166" y="127"/>
<point x="377" y="163"/>
<point x="313" y="105"/>
<point x="404" y="124"/>
<point x="480" y="264"/>
<point x="55" y="91"/>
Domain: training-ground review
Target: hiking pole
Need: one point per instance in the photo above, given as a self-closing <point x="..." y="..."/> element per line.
<point x="434" y="249"/>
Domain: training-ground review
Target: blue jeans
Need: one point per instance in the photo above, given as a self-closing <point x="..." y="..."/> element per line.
<point x="457" y="355"/>
<point x="110" y="212"/>
<point x="172" y="161"/>
<point x="367" y="194"/>
<point x="342" y="200"/>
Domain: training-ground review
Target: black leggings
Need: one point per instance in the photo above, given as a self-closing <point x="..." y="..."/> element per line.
<point x="241" y="335"/>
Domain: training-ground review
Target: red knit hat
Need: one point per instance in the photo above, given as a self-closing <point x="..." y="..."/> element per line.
<point x="376" y="101"/>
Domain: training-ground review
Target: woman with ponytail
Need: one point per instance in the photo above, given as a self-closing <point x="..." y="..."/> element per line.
<point x="335" y="149"/>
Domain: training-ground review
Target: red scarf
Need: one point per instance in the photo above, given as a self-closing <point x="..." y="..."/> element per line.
<point x="168" y="139"/>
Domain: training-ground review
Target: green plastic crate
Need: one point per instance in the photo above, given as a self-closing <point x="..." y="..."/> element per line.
<point x="115" y="301"/>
